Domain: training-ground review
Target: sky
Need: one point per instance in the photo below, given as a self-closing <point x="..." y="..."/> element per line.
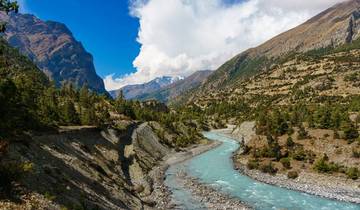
<point x="105" y="28"/>
<point x="135" y="41"/>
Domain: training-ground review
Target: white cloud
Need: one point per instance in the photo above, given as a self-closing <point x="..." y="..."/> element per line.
<point x="179" y="37"/>
<point x="23" y="6"/>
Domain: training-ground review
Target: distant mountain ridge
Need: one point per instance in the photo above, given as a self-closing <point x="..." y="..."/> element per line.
<point x="52" y="47"/>
<point x="170" y="93"/>
<point x="135" y="91"/>
<point x="163" y="89"/>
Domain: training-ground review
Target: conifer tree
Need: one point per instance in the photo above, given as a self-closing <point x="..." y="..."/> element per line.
<point x="70" y="117"/>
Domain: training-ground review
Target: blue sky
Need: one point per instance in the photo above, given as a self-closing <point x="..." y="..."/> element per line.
<point x="105" y="28"/>
<point x="171" y="37"/>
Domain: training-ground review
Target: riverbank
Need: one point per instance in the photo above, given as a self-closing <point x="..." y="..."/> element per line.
<point x="203" y="193"/>
<point x="209" y="196"/>
<point x="161" y="194"/>
<point x="312" y="183"/>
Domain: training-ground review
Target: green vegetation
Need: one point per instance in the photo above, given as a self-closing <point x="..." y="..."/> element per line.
<point x="253" y="164"/>
<point x="285" y="162"/>
<point x="333" y="116"/>
<point x="268" y="168"/>
<point x="30" y="103"/>
<point x="292" y="175"/>
<point x="353" y="173"/>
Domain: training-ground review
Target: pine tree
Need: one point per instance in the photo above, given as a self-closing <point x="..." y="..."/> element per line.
<point x="48" y="109"/>
<point x="121" y="95"/>
<point x="70" y="117"/>
<point x="84" y="97"/>
<point x="104" y="116"/>
<point x="336" y="119"/>
<point x="324" y="117"/>
<point x="88" y="116"/>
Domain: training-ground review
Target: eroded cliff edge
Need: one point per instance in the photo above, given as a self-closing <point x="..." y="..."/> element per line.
<point x="87" y="168"/>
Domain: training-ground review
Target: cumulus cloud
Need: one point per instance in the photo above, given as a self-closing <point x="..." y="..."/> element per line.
<point x="23" y="6"/>
<point x="179" y="37"/>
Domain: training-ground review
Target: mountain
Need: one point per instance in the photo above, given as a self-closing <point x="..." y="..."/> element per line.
<point x="87" y="161"/>
<point x="171" y="92"/>
<point x="136" y="91"/>
<point x="335" y="26"/>
<point x="53" y="48"/>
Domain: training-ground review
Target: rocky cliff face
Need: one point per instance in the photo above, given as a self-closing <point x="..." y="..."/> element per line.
<point x="52" y="47"/>
<point x="88" y="168"/>
<point x="335" y="26"/>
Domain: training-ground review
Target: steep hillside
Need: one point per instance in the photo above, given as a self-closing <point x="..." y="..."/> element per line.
<point x="74" y="149"/>
<point x="138" y="91"/>
<point x="88" y="168"/>
<point x="52" y="47"/>
<point x="311" y="77"/>
<point x="21" y="83"/>
<point x="333" y="27"/>
<point x="171" y="92"/>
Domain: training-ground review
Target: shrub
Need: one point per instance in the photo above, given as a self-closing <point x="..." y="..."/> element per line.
<point x="299" y="155"/>
<point x="9" y="172"/>
<point x="356" y="154"/>
<point x="292" y="175"/>
<point x="321" y="166"/>
<point x="302" y="134"/>
<point x="353" y="173"/>
<point x="49" y="196"/>
<point x="253" y="164"/>
<point x="351" y="133"/>
<point x="268" y="168"/>
<point x="285" y="162"/>
<point x="289" y="142"/>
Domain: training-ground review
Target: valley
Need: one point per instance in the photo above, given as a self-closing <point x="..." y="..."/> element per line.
<point x="275" y="127"/>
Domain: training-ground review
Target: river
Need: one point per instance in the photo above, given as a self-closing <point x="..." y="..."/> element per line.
<point x="215" y="168"/>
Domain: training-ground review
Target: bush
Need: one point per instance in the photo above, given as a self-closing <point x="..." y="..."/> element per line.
<point x="302" y="134"/>
<point x="285" y="162"/>
<point x="292" y="175"/>
<point x="299" y="155"/>
<point x="289" y="142"/>
<point x="351" y="133"/>
<point x="323" y="166"/>
<point x="252" y="164"/>
<point x="9" y="172"/>
<point x="356" y="154"/>
<point x="268" y="168"/>
<point x="353" y="173"/>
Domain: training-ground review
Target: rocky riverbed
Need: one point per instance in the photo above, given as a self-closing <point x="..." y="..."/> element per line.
<point x="311" y="183"/>
<point x="205" y="194"/>
<point x="208" y="195"/>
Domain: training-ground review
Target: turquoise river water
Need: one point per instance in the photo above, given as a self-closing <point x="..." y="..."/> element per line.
<point x="215" y="168"/>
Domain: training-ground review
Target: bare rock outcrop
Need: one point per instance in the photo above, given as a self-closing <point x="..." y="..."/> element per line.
<point x="85" y="167"/>
<point x="53" y="48"/>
